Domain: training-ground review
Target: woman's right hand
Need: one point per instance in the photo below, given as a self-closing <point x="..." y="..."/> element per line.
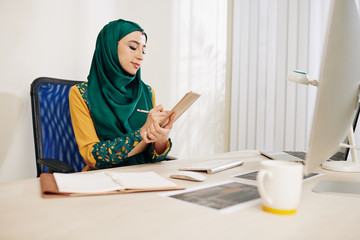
<point x="151" y="131"/>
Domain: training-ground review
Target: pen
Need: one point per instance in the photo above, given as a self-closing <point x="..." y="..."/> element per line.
<point x="143" y="111"/>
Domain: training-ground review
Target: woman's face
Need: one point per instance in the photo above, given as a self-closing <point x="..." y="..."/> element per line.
<point x="131" y="50"/>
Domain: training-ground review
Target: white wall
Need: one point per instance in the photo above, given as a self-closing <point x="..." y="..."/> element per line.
<point x="199" y="64"/>
<point x="57" y="39"/>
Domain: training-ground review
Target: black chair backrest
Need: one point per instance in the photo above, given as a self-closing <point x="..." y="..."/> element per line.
<point x="53" y="132"/>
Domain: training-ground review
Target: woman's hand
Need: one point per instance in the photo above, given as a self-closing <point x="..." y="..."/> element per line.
<point x="152" y="132"/>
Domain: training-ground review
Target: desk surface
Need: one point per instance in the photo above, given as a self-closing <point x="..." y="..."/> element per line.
<point x="25" y="215"/>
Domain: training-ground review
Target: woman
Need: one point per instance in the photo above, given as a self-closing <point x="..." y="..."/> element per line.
<point x="104" y="114"/>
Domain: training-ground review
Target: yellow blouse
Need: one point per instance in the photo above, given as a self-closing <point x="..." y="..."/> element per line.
<point x="104" y="154"/>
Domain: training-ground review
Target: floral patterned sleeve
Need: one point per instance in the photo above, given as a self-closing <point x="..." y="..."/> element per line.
<point x="113" y="153"/>
<point x="103" y="154"/>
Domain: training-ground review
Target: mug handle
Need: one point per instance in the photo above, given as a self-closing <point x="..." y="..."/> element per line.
<point x="260" y="182"/>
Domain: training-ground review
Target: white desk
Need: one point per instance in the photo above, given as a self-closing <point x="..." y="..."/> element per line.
<point x="25" y="215"/>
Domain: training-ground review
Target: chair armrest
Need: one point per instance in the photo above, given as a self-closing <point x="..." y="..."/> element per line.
<point x="55" y="165"/>
<point x="169" y="158"/>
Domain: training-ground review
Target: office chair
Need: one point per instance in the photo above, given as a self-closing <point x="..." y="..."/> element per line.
<point x="56" y="149"/>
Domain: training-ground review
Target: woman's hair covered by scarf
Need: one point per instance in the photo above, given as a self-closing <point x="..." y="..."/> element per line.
<point x="114" y="94"/>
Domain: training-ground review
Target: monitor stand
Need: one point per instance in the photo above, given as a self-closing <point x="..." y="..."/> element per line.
<point x="341" y="166"/>
<point x="352" y="165"/>
<point x="349" y="166"/>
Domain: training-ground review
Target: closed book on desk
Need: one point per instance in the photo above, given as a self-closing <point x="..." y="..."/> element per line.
<point x="179" y="109"/>
<point x="102" y="183"/>
<point x="213" y="166"/>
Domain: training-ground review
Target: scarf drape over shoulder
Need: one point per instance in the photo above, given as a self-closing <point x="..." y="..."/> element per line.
<point x="114" y="94"/>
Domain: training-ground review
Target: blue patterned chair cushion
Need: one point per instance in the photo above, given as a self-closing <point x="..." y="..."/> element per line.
<point x="57" y="132"/>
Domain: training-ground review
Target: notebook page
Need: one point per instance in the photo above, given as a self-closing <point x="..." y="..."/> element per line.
<point x="141" y="180"/>
<point x="85" y="183"/>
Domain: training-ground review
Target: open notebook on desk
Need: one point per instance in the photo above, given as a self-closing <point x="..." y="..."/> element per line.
<point x="213" y="166"/>
<point x="102" y="182"/>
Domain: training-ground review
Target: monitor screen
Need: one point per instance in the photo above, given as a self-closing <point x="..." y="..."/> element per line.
<point x="338" y="93"/>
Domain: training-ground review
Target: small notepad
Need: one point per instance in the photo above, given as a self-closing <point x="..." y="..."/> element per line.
<point x="179" y="109"/>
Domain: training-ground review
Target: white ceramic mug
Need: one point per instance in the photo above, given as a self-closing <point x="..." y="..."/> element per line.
<point x="279" y="185"/>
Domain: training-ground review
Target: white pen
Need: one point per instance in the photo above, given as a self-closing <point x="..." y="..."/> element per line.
<point x="143" y="111"/>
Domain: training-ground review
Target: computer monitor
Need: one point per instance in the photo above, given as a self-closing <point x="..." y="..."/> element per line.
<point x="338" y="93"/>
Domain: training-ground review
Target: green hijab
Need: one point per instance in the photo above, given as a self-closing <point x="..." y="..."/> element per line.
<point x="114" y="94"/>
